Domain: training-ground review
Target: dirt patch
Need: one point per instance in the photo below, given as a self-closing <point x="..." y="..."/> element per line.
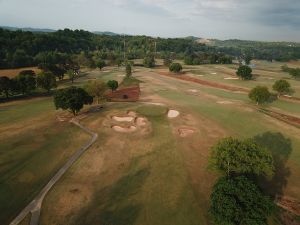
<point x="185" y="131"/>
<point x="173" y="113"/>
<point x="123" y="118"/>
<point x="289" y="204"/>
<point x="11" y="73"/>
<point x="130" y="94"/>
<point x="124" y="129"/>
<point x="206" y="83"/>
<point x="292" y="120"/>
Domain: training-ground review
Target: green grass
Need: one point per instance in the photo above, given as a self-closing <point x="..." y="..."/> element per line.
<point x="130" y="81"/>
<point x="19" y="111"/>
<point x="152" y="110"/>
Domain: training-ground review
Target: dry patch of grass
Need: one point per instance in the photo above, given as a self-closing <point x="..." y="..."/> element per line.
<point x="11" y="73"/>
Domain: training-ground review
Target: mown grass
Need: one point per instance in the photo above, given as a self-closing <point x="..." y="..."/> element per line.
<point x="14" y="112"/>
<point x="130" y="81"/>
<point x="31" y="152"/>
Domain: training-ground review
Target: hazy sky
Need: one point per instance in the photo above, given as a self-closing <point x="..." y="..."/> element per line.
<point x="223" y="19"/>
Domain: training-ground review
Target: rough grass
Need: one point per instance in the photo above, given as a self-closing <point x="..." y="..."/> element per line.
<point x="142" y="181"/>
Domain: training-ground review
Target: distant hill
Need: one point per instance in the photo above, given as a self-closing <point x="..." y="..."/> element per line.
<point x="106" y="33"/>
<point x="37" y="30"/>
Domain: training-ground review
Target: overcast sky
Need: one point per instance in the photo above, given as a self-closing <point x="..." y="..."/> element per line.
<point x="274" y="20"/>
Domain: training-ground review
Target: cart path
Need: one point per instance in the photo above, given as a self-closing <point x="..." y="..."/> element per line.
<point x="34" y="207"/>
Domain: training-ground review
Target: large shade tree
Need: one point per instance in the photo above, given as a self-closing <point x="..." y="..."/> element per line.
<point x="260" y="94"/>
<point x="238" y="201"/>
<point x="232" y="156"/>
<point x="244" y="72"/>
<point x="72" y="99"/>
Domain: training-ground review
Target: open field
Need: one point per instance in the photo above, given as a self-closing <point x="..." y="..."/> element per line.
<point x="145" y="167"/>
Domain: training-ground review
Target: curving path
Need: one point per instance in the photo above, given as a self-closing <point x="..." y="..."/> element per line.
<point x="34" y="207"/>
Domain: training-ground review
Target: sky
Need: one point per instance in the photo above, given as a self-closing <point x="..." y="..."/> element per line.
<point x="268" y="20"/>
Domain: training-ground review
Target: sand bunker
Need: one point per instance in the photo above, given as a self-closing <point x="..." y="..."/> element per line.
<point x="131" y="113"/>
<point x="123" y="118"/>
<point x="184" y="132"/>
<point x="173" y="113"/>
<point x="140" y="121"/>
<point x="193" y="90"/>
<point x="231" y="78"/>
<point x="124" y="129"/>
<point x="225" y="102"/>
<point x="154" y="103"/>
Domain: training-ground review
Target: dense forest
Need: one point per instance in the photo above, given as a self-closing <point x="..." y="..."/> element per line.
<point x="279" y="51"/>
<point x="25" y="48"/>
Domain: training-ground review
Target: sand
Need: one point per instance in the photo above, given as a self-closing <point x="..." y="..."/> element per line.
<point x="173" y="113"/>
<point x="123" y="118"/>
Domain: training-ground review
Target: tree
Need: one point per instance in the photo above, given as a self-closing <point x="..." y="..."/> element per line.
<point x="149" y="61"/>
<point x="25" y="83"/>
<point x="175" y="67"/>
<point x="282" y="87"/>
<point x="238" y="200"/>
<point x="232" y="156"/>
<point x="260" y="94"/>
<point x="113" y="85"/>
<point x="5" y="85"/>
<point x="244" y="72"/>
<point x="167" y="61"/>
<point x="58" y="71"/>
<point x="72" y="99"/>
<point x="101" y="64"/>
<point x="96" y="89"/>
<point x="72" y="75"/>
<point x="248" y="59"/>
<point x="295" y="72"/>
<point x="128" y="70"/>
<point x="46" y="80"/>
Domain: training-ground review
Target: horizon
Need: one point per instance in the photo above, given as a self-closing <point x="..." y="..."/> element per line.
<point x="118" y="33"/>
<point x="264" y="20"/>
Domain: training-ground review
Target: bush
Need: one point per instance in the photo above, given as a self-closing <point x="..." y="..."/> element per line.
<point x="175" y="67"/>
<point x="149" y="61"/>
<point x="282" y="87"/>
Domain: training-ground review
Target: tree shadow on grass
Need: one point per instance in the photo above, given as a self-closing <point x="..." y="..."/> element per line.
<point x="281" y="149"/>
<point x="116" y="205"/>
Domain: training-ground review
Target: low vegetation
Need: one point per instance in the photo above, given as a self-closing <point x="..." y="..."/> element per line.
<point x="175" y="68"/>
